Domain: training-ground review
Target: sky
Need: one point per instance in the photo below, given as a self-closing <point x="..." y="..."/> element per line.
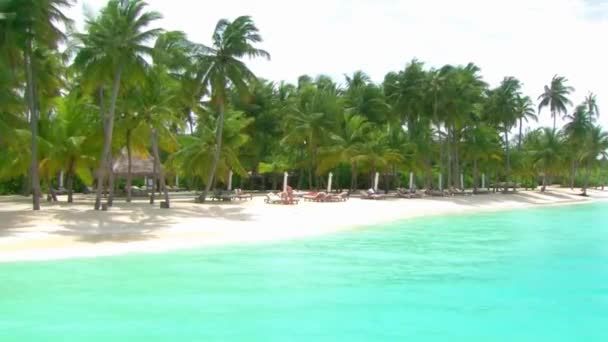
<point x="529" y="39"/>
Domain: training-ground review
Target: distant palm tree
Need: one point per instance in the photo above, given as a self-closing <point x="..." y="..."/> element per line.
<point x="555" y="97"/>
<point x="115" y="43"/>
<point x="547" y="153"/>
<point x="595" y="146"/>
<point x="591" y="103"/>
<point x="223" y="67"/>
<point x="576" y="131"/>
<point x="524" y="110"/>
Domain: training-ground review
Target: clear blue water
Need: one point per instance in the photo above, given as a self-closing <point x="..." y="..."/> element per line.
<point x="526" y="275"/>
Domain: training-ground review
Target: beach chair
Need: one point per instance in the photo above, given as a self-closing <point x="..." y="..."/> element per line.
<point x="458" y="192"/>
<point x="341" y="197"/>
<point x="316" y="197"/>
<point x="241" y="195"/>
<point x="406" y="193"/>
<point x="224" y="196"/>
<point x="437" y="193"/>
<point x="371" y="195"/>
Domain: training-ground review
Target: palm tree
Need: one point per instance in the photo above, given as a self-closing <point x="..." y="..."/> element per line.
<point x="595" y="147"/>
<point x="223" y="67"/>
<point x="591" y="103"/>
<point x="524" y="110"/>
<point x="576" y="131"/>
<point x="345" y="143"/>
<point x="115" y="42"/>
<point x="33" y="25"/>
<point x="555" y="97"/>
<point x="547" y="153"/>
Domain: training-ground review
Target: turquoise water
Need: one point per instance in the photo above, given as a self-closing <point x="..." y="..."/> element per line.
<point x="527" y="275"/>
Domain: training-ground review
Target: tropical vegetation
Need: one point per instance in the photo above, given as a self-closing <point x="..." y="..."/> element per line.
<point x="72" y="102"/>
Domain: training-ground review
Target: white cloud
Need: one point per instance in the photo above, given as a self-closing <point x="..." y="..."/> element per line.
<point x="529" y="39"/>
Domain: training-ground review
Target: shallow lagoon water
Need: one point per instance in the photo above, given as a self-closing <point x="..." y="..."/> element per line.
<point x="528" y="275"/>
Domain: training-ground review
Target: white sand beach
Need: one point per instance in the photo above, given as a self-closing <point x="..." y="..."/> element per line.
<point x="60" y="230"/>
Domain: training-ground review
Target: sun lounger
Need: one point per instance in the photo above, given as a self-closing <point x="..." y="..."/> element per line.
<point x="406" y="193"/>
<point x="316" y="197"/>
<point x="341" y="197"/>
<point x="272" y="198"/>
<point x="458" y="192"/>
<point x="437" y="193"/>
<point x="372" y="196"/>
<point x="241" y="195"/>
<point x="223" y="196"/>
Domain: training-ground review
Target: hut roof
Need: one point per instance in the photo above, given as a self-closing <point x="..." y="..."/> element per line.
<point x="141" y="166"/>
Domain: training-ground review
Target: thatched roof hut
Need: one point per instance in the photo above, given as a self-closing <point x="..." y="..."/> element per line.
<point x="140" y="166"/>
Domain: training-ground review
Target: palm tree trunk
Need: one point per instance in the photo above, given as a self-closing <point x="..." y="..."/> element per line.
<point x="274" y="181"/>
<point x="31" y="101"/>
<point x="544" y="185"/>
<point x="110" y="182"/>
<point x="353" y="176"/>
<point x="70" y="184"/>
<point x="475" y="176"/>
<point x="108" y="120"/>
<point x="129" y="167"/>
<point x="216" y="154"/>
<point x="161" y="173"/>
<point x="449" y="156"/>
<point x="154" y="177"/>
<point x="554" y="120"/>
<point x="587" y="173"/>
<point x="521" y="122"/>
<point x="572" y="174"/>
<point x="508" y="160"/>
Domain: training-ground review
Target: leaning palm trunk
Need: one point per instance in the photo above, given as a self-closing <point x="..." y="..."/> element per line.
<point x="154" y="178"/>
<point x="108" y="127"/>
<point x="129" y="167"/>
<point x="216" y="154"/>
<point x="31" y="101"/>
<point x="161" y="173"/>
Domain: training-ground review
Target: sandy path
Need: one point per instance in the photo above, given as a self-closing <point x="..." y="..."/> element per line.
<point x="64" y="231"/>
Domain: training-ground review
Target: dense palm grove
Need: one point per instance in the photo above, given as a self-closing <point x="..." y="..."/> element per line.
<point x="70" y="103"/>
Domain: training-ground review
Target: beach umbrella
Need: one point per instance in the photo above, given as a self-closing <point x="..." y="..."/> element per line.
<point x="285" y="176"/>
<point x="411" y="181"/>
<point x="483" y="180"/>
<point x="376" y="181"/>
<point x="331" y="175"/>
<point x="440" y="182"/>
<point x="462" y="181"/>
<point x="229" y="180"/>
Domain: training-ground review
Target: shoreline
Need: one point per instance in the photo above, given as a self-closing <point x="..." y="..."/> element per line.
<point x="62" y="231"/>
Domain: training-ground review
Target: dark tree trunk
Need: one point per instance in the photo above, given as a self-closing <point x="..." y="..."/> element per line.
<point x="154" y="177"/>
<point x="587" y="174"/>
<point x="520" y="134"/>
<point x="159" y="168"/>
<point x="216" y="153"/>
<point x="33" y="109"/>
<point x="70" y="184"/>
<point x="111" y="183"/>
<point x="544" y="186"/>
<point x="353" y="176"/>
<point x="475" y="176"/>
<point x="108" y="120"/>
<point x="274" y="181"/>
<point x="508" y="161"/>
<point x="129" y="167"/>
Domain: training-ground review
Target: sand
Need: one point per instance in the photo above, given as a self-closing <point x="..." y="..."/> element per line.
<point x="61" y="231"/>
